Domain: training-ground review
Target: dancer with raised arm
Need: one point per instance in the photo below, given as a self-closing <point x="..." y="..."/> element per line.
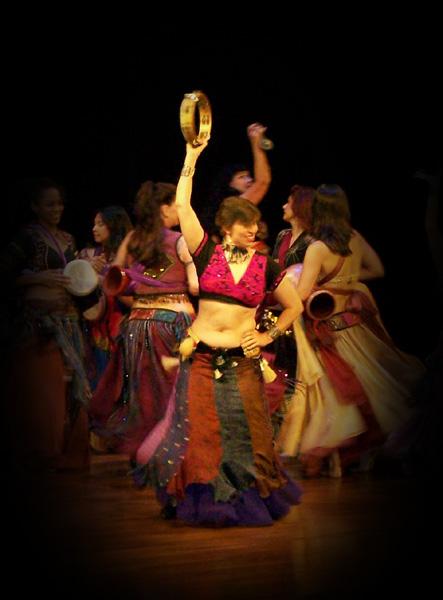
<point x="212" y="459"/>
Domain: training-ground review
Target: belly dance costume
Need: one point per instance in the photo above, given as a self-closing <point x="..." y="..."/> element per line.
<point x="356" y="388"/>
<point x="212" y="458"/>
<point x="132" y="395"/>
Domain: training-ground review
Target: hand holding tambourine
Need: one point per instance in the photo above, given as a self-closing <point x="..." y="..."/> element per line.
<point x="192" y="102"/>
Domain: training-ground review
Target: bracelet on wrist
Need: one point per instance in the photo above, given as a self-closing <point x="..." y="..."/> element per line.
<point x="274" y="332"/>
<point x="187" y="171"/>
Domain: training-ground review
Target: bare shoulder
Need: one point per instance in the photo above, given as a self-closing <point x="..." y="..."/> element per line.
<point x="182" y="248"/>
<point x="357" y="240"/>
<point x="180" y="240"/>
<point x="317" y="248"/>
<point x="357" y="236"/>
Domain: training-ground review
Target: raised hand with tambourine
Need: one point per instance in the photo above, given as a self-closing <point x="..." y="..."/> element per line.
<point x="191" y="102"/>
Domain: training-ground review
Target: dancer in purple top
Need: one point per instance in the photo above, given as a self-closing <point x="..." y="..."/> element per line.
<point x="132" y="395"/>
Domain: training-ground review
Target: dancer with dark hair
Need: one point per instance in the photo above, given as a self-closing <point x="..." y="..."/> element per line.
<point x="102" y="320"/>
<point x="131" y="396"/>
<point x="111" y="225"/>
<point x="236" y="180"/>
<point x="357" y="387"/>
<point x="102" y="324"/>
<point x="212" y="458"/>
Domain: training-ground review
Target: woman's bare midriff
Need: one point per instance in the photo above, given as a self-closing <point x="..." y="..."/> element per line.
<point x="222" y="325"/>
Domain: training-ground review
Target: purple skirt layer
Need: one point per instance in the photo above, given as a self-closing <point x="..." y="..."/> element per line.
<point x="247" y="508"/>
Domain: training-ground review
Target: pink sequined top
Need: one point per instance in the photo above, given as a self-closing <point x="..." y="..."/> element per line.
<point x="217" y="282"/>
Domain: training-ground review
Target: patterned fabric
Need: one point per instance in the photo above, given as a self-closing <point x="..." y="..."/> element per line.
<point x="217" y="282"/>
<point x="132" y="395"/>
<point x="38" y="252"/>
<point x="290" y="255"/>
<point x="212" y="455"/>
<point x="66" y="332"/>
<point x="354" y="386"/>
<point x="217" y="458"/>
<point x="101" y="334"/>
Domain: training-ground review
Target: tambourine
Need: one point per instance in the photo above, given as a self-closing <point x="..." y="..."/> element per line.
<point x="84" y="279"/>
<point x="191" y="102"/>
<point x="320" y="304"/>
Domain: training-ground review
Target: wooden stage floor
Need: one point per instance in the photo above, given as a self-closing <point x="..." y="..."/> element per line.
<point x="92" y="535"/>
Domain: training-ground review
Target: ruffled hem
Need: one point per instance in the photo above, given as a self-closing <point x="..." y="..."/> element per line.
<point x="247" y="508"/>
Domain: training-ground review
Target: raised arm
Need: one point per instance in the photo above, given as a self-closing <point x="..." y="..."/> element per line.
<point x="122" y="252"/>
<point x="371" y="265"/>
<point x="262" y="169"/>
<point x="189" y="224"/>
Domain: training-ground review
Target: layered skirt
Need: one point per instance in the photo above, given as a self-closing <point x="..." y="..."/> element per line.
<point x="354" y="389"/>
<point x="213" y="457"/>
<point x="132" y="394"/>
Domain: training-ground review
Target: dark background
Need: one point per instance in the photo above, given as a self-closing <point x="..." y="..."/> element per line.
<point x="343" y="103"/>
<point x="355" y="102"/>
